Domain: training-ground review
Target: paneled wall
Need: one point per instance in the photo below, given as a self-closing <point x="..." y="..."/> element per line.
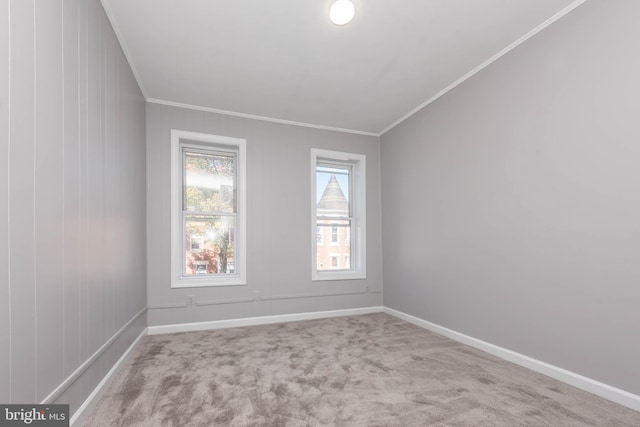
<point x="278" y="221"/>
<point x="511" y="205"/>
<point x="72" y="200"/>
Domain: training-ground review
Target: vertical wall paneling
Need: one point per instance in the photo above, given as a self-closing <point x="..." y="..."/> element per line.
<point x="5" y="292"/>
<point x="49" y="222"/>
<point x="21" y="203"/>
<point x="109" y="173"/>
<point x="71" y="190"/>
<point x="83" y="112"/>
<point x="72" y="237"/>
<point x="93" y="230"/>
<point x="101" y="267"/>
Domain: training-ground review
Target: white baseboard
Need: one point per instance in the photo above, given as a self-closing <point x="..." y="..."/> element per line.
<point x="82" y="368"/>
<point x="252" y="321"/>
<point x="90" y="400"/>
<point x="605" y="391"/>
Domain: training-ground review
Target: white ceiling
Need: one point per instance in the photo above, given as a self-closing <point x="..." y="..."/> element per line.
<point x="284" y="59"/>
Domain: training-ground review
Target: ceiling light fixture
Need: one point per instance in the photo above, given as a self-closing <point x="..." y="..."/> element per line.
<point x="342" y="12"/>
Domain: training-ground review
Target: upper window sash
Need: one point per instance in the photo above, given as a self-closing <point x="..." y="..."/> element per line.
<point x="186" y="149"/>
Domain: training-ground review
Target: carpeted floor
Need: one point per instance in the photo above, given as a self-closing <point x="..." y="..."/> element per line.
<point x="369" y="370"/>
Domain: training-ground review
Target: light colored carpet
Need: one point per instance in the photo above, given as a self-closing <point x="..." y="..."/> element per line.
<point x="369" y="370"/>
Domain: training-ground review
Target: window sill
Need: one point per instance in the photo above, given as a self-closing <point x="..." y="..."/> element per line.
<point x="330" y="276"/>
<point x="207" y="283"/>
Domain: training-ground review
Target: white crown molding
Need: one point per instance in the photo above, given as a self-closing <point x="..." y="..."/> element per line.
<point x="123" y="46"/>
<point x="486" y="63"/>
<point x="501" y="53"/>
<point x="253" y="321"/>
<point x="603" y="390"/>
<point x="262" y="118"/>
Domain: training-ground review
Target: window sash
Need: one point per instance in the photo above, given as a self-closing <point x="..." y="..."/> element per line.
<point x="328" y="227"/>
<point x="331" y="166"/>
<point x="348" y="167"/>
<point x="189" y="148"/>
<point x="235" y="199"/>
<point x="185" y="151"/>
<point x="353" y="165"/>
<point x="185" y="214"/>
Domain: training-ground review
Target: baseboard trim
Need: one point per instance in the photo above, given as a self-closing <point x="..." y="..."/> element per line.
<point x="252" y="321"/>
<point x="80" y="370"/>
<point x="80" y="412"/>
<point x="598" y="388"/>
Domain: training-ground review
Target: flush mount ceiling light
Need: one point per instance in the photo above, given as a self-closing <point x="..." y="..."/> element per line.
<point x="342" y="12"/>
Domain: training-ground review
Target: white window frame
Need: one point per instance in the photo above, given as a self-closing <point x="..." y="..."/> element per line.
<point x="180" y="138"/>
<point x="357" y="195"/>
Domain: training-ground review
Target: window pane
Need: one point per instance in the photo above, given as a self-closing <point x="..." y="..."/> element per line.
<point x="338" y="233"/>
<point x="209" y="245"/>
<point x="209" y="182"/>
<point x="332" y="190"/>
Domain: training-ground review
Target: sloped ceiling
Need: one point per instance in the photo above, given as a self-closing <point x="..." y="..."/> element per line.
<point x="284" y="60"/>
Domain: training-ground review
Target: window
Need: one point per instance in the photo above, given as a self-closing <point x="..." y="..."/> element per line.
<point x="334" y="262"/>
<point x="334" y="235"/>
<point x="196" y="243"/>
<point x="207" y="213"/>
<point x="338" y="211"/>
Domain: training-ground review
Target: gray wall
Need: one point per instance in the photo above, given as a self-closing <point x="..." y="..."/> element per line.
<point x="511" y="205"/>
<point x="72" y="208"/>
<point x="278" y="221"/>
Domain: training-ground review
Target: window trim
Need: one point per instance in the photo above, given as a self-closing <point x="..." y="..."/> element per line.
<point x="180" y="138"/>
<point x="357" y="196"/>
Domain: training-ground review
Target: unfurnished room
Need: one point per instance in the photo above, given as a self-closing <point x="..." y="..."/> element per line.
<point x="320" y="213"/>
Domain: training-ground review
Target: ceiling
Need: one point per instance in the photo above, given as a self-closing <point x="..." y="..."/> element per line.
<point x="283" y="60"/>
